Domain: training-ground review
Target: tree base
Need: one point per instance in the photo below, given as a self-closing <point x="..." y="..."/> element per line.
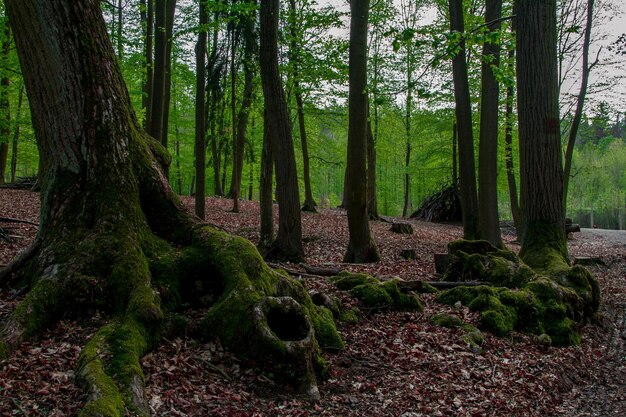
<point x="521" y="299"/>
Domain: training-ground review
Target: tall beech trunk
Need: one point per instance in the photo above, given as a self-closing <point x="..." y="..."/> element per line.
<point x="580" y="103"/>
<point x="16" y="133"/>
<point x="541" y="172"/>
<point x="463" y="109"/>
<point x="288" y="243"/>
<point x="155" y="128"/>
<point x="361" y="247"/>
<point x="113" y="236"/>
<point x="489" y="220"/>
<point x="147" y="19"/>
<point x="200" y="140"/>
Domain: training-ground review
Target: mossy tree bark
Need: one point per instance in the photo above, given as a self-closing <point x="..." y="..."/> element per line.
<point x="541" y="175"/>
<point x="114" y="236"/>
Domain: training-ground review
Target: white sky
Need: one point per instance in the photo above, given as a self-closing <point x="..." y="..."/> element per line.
<point x="614" y="27"/>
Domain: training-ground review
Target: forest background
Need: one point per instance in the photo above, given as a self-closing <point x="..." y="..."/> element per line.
<point x="411" y="98"/>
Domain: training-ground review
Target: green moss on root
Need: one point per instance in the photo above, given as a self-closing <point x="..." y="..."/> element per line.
<point x="376" y="294"/>
<point x="235" y="267"/>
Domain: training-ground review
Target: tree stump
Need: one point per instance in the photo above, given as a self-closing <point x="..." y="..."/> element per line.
<point x="441" y="263"/>
<point x="402" y="228"/>
<point x="408" y="254"/>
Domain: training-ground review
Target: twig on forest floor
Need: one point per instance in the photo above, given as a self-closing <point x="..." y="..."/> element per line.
<point x="12" y="220"/>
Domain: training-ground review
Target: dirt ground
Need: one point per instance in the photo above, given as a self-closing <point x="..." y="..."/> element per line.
<point x="394" y="364"/>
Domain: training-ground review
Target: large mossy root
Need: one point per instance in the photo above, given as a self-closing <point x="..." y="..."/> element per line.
<point x="375" y="294"/>
<point x="257" y="312"/>
<point x="518" y="298"/>
<point x="260" y="313"/>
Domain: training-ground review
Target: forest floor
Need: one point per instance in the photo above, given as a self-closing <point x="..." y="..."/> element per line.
<point x="394" y="364"/>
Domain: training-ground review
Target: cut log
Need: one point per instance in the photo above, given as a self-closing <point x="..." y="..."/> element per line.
<point x="588" y="260"/>
<point x="572" y="227"/>
<point x="402" y="228"/>
<point x="321" y="271"/>
<point x="406" y="286"/>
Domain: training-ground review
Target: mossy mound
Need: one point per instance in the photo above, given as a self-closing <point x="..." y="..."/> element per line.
<point x="521" y="299"/>
<point x="375" y="294"/>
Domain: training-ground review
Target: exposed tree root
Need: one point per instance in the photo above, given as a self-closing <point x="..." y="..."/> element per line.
<point x="261" y="314"/>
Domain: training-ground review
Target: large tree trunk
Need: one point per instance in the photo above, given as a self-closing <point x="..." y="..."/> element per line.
<point x="288" y="243"/>
<point x="467" y="169"/>
<point x="361" y="247"/>
<point x="200" y="140"/>
<point x="489" y="220"/>
<point x="541" y="173"/>
<point x="114" y="237"/>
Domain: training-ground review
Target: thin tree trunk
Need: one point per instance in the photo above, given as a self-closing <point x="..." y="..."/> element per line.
<point x="288" y="243"/>
<point x="361" y="247"/>
<point x="200" y="139"/>
<point x="265" y="192"/>
<point x="489" y="219"/>
<point x="235" y="176"/>
<point x="213" y="99"/>
<point x="372" y="200"/>
<point x="147" y="19"/>
<point x="467" y="170"/>
<point x="167" y="92"/>
<point x="508" y="140"/>
<point x="584" y="82"/>
<point x="407" y="120"/>
<point x="455" y="173"/>
<point x="309" y="202"/>
<point x="5" y="113"/>
<point x="16" y="133"/>
<point x="155" y="129"/>
<point x="120" y="24"/>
